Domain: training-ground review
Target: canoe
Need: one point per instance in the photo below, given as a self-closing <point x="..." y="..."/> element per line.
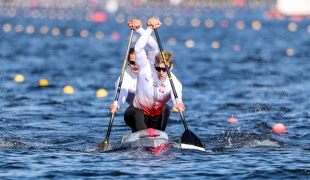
<point x="155" y="141"/>
<point x="150" y="139"/>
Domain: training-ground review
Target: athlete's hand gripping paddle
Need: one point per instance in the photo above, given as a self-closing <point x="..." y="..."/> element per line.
<point x="105" y="145"/>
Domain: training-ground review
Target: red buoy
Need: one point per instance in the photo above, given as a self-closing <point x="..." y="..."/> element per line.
<point x="279" y="128"/>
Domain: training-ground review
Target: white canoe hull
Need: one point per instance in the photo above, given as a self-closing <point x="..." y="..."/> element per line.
<point x="148" y="137"/>
<point x="152" y="140"/>
<point x="156" y="139"/>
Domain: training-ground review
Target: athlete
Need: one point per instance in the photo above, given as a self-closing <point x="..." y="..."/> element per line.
<point x="153" y="86"/>
<point x="128" y="88"/>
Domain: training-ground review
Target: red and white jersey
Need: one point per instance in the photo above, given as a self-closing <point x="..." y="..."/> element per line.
<point x="128" y="88"/>
<point x="152" y="94"/>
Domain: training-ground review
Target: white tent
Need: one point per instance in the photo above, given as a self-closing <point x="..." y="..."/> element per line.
<point x="294" y="7"/>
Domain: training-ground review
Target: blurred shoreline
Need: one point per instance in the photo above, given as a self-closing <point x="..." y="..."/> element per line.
<point x="100" y="10"/>
<point x="80" y="4"/>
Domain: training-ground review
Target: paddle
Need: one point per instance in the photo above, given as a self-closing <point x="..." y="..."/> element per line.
<point x="105" y="145"/>
<point x="189" y="139"/>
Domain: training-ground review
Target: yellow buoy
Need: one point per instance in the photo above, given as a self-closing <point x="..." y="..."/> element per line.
<point x="19" y="78"/>
<point x="174" y="109"/>
<point x="68" y="90"/>
<point x="102" y="93"/>
<point x="43" y="82"/>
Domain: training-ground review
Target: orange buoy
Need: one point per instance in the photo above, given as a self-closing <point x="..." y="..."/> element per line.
<point x="115" y="36"/>
<point x="232" y="120"/>
<point x="99" y="17"/>
<point x="279" y="128"/>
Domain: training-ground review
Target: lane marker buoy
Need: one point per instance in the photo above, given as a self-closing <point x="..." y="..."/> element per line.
<point x="232" y="120"/>
<point x="101" y="93"/>
<point x="19" y="78"/>
<point x="68" y="89"/>
<point x="43" y="82"/>
<point x="279" y="128"/>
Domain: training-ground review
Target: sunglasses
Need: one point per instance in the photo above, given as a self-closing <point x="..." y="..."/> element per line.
<point x="132" y="62"/>
<point x="160" y="69"/>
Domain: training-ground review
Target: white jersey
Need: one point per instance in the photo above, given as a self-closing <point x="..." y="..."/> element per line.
<point x="152" y="94"/>
<point x="128" y="88"/>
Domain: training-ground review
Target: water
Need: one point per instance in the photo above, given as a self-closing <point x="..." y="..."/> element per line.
<point x="47" y="134"/>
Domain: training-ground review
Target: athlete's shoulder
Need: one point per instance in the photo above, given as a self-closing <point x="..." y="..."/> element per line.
<point x="173" y="75"/>
<point x="176" y="80"/>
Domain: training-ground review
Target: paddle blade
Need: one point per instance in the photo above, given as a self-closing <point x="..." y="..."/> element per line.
<point x="190" y="141"/>
<point x="104" y="146"/>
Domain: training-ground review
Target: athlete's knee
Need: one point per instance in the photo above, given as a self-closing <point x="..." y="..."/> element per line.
<point x="166" y="111"/>
<point x="166" y="108"/>
<point x="164" y="117"/>
<point x="132" y="112"/>
<point x="134" y="118"/>
<point x="130" y="116"/>
<point x="137" y="113"/>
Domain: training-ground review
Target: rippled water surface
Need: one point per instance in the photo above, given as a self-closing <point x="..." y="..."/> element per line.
<point x="51" y="135"/>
